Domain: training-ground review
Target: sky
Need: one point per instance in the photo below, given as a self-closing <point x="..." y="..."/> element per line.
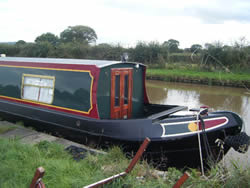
<point x="129" y="21"/>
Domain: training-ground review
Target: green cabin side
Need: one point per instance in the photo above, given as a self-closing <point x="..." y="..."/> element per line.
<point x="70" y="89"/>
<point x="104" y="90"/>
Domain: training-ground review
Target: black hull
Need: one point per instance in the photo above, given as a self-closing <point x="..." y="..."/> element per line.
<point x="179" y="151"/>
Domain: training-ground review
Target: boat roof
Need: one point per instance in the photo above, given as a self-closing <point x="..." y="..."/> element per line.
<point x="97" y="63"/>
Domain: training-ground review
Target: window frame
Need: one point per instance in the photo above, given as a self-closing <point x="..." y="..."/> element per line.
<point x="38" y="86"/>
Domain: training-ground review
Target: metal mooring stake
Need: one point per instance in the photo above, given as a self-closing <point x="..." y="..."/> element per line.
<point x="128" y="170"/>
<point x="183" y="178"/>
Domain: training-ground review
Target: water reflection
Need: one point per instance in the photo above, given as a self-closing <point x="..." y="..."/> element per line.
<point x="217" y="98"/>
<point x="157" y="94"/>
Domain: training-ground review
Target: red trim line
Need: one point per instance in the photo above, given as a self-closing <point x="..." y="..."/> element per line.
<point x="212" y="123"/>
<point x="49" y="65"/>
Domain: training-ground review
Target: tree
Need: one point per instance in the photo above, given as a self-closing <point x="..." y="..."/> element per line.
<point x="148" y="53"/>
<point x="40" y="49"/>
<point x="9" y="49"/>
<point x="78" y="33"/>
<point x="20" y="43"/>
<point x="172" y="45"/>
<point x="47" y="37"/>
<point x="208" y="45"/>
<point x="196" y="48"/>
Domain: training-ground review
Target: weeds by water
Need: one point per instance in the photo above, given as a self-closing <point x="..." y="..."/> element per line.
<point x="19" y="161"/>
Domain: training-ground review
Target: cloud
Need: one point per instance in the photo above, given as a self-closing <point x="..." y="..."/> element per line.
<point x="128" y="21"/>
<point x="207" y="11"/>
<point x="221" y="11"/>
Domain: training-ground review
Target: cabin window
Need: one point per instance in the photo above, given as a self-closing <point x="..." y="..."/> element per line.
<point x="38" y="88"/>
<point x="117" y="90"/>
<point x="126" y="89"/>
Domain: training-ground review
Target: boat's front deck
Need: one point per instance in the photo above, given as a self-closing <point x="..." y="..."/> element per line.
<point x="159" y="112"/>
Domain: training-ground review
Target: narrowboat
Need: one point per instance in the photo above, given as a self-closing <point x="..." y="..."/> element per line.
<point x="105" y="102"/>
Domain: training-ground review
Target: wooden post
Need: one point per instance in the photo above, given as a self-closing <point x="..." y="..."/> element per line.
<point x="37" y="178"/>
<point x="129" y="169"/>
<point x="138" y="155"/>
<point x="183" y="178"/>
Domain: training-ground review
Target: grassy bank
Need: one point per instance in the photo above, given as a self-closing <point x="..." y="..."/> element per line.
<point x="19" y="161"/>
<point x="201" y="77"/>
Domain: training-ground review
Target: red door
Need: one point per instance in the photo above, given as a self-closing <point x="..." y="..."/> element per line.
<point x="121" y="93"/>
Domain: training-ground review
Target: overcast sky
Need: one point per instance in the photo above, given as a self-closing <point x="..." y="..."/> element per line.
<point x="129" y="21"/>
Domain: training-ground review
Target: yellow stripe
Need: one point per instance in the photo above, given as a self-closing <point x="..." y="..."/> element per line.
<point x="22" y="100"/>
<point x="91" y="87"/>
<point x="74" y="70"/>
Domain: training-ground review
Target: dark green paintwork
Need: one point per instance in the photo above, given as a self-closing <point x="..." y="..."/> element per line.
<point x="72" y="89"/>
<point x="104" y="89"/>
<point x="10" y="82"/>
<point x="177" y="129"/>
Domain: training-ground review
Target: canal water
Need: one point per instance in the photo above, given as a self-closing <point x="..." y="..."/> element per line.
<point x="216" y="97"/>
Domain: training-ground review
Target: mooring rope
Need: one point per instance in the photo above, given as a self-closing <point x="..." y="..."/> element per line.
<point x="205" y="141"/>
<point x="199" y="141"/>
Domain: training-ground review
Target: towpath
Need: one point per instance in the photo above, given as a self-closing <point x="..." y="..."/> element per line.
<point x="29" y="136"/>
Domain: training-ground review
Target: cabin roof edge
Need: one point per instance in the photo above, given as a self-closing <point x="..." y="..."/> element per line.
<point x="97" y="63"/>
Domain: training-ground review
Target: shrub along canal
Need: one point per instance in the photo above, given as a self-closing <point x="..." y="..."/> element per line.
<point x="195" y="95"/>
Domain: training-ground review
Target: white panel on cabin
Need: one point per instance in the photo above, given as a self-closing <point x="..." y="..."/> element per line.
<point x="32" y="81"/>
<point x="46" y="95"/>
<point x="47" y="82"/>
<point x="30" y="93"/>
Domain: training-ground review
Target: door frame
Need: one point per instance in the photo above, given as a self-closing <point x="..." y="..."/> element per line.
<point x="123" y="111"/>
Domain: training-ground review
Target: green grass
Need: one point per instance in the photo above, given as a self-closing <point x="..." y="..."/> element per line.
<point x="19" y="161"/>
<point x="199" y="74"/>
<point x="172" y="74"/>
